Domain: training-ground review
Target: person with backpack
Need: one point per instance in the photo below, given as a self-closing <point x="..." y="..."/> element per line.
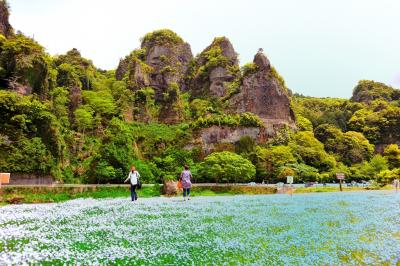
<point x="185" y="177"/>
<point x="135" y="182"/>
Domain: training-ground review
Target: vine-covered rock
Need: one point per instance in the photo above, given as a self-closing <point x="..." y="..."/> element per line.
<point x="161" y="63"/>
<point x="24" y="66"/>
<point x="214" y="70"/>
<point x="368" y="91"/>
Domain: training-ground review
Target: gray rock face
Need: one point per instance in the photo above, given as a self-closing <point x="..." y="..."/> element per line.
<point x="75" y="99"/>
<point x="226" y="47"/>
<point x="138" y="75"/>
<point x="211" y="77"/>
<point x="161" y="63"/>
<point x="160" y="66"/>
<point x="261" y="61"/>
<point x="264" y="94"/>
<point x="209" y="138"/>
<point x="217" y="79"/>
<point x="169" y="64"/>
<point x="122" y="68"/>
<point x="22" y="89"/>
<point x="5" y="27"/>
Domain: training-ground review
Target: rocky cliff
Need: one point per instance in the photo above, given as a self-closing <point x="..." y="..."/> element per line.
<point x="368" y="91"/>
<point x="257" y="89"/>
<point x="5" y="27"/>
<point x="214" y="70"/>
<point x="161" y="63"/>
<point x="263" y="92"/>
<point x="163" y="69"/>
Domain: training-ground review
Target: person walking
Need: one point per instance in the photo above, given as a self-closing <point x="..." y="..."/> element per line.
<point x="134" y="177"/>
<point x="396" y="184"/>
<point x="185" y="177"/>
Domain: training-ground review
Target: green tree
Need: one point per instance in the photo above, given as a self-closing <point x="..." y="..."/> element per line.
<point x="84" y="118"/>
<point x="145" y="108"/>
<point x="303" y="123"/>
<point x="75" y="71"/>
<point x="350" y="147"/>
<point x="245" y="145"/>
<point x="303" y="172"/>
<point x="100" y="101"/>
<point x="273" y="160"/>
<point x="59" y="105"/>
<point x="67" y="77"/>
<point x="27" y="156"/>
<point x="320" y="111"/>
<point x="369" y="170"/>
<point x="379" y="123"/>
<point x="227" y="167"/>
<point x="24" y="62"/>
<point x="392" y="155"/>
<point x="311" y="152"/>
<point x="387" y="176"/>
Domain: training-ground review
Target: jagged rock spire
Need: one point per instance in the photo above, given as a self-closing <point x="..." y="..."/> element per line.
<point x="214" y="68"/>
<point x="263" y="93"/>
<point x="261" y="60"/>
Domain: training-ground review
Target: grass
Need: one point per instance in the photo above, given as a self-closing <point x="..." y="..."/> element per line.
<point x="61" y="194"/>
<point x="12" y="195"/>
<point x="336" y="189"/>
<point x="231" y="190"/>
<point x="48" y="195"/>
<point x="208" y="192"/>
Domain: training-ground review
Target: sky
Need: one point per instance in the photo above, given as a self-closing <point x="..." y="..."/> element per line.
<point x="322" y="48"/>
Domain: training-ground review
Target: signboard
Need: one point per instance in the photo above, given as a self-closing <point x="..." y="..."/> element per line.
<point x="4" y="178"/>
<point x="340" y="176"/>
<point x="289" y="179"/>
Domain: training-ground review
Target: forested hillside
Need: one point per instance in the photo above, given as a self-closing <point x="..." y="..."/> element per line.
<point x="162" y="108"/>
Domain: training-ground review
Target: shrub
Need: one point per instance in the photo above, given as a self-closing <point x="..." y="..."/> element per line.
<point x="303" y="172"/>
<point x="369" y="170"/>
<point x="387" y="176"/>
<point x="311" y="151"/>
<point x="161" y="37"/>
<point x="22" y="59"/>
<point x="392" y="154"/>
<point x="244" y="119"/>
<point x="303" y="123"/>
<point x="272" y="161"/>
<point x="226" y="167"/>
<point x="147" y="171"/>
<point x="249" y="68"/>
<point x="245" y="145"/>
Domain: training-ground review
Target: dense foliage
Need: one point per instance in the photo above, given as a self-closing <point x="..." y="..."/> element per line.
<point x="226" y="167"/>
<point x="62" y="116"/>
<point x="163" y="36"/>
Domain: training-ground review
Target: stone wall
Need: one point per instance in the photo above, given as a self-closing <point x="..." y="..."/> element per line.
<point x="30" y="179"/>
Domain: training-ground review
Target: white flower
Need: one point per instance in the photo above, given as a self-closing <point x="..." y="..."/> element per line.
<point x="339" y="228"/>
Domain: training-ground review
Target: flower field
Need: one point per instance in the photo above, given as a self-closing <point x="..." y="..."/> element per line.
<point x="306" y="229"/>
